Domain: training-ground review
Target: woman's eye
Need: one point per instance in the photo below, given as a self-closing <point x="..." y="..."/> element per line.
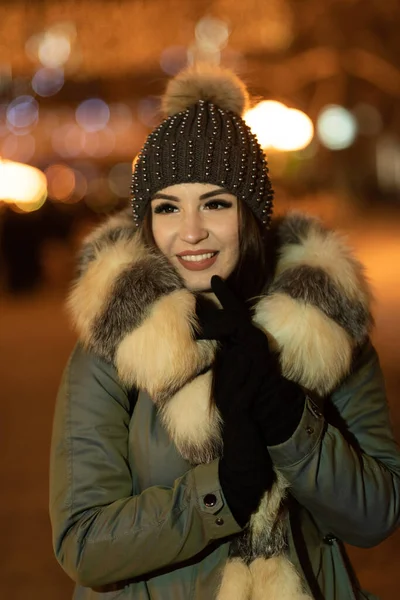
<point x="165" y="208"/>
<point x="217" y="204"/>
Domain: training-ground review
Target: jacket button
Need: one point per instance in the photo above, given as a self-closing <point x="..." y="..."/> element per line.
<point x="310" y="430"/>
<point x="329" y="539"/>
<point x="219" y="521"/>
<point x="210" y="500"/>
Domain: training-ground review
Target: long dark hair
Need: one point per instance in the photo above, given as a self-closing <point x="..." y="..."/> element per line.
<point x="256" y="256"/>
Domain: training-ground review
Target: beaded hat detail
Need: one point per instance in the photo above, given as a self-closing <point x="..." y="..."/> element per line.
<point x="204" y="139"/>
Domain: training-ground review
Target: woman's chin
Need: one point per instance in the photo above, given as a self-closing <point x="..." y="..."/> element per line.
<point x="198" y="287"/>
<point x="199" y="282"/>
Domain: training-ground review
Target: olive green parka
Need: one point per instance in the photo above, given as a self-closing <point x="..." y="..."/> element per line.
<point x="133" y="463"/>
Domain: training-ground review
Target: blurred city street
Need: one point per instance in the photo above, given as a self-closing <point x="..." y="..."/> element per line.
<point x="35" y="342"/>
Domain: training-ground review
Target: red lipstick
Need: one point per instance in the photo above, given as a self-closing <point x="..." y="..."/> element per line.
<point x="202" y="259"/>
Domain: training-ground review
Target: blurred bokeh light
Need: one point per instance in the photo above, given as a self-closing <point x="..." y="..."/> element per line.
<point x="279" y="127"/>
<point x="18" y="147"/>
<point x="212" y="33"/>
<point x="22" y="112"/>
<point x="337" y="127"/>
<point x="48" y="81"/>
<point x="93" y="114"/>
<point x="61" y="181"/>
<point x="52" y="46"/>
<point x="22" y="185"/>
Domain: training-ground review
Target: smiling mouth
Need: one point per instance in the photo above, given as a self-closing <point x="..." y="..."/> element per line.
<point x="197" y="257"/>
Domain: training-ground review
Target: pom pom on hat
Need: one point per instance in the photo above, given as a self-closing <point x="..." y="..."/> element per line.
<point x="205" y="82"/>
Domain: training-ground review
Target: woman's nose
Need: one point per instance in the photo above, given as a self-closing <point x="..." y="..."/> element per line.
<point x="192" y="228"/>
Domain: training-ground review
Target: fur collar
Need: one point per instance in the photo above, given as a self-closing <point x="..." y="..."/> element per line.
<point x="130" y="307"/>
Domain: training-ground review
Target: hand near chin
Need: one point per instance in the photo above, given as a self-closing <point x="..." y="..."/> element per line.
<point x="244" y="356"/>
<point x="232" y="322"/>
<point x="247" y="373"/>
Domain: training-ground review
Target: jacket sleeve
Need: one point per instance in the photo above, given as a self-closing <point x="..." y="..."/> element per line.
<point x="347" y="475"/>
<point x="101" y="532"/>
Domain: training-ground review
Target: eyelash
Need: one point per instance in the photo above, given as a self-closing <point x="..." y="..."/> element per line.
<point x="165" y="206"/>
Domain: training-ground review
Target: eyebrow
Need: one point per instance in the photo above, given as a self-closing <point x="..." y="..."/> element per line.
<point x="162" y="196"/>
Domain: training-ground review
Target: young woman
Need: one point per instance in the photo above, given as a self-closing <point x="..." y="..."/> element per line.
<point x="221" y="428"/>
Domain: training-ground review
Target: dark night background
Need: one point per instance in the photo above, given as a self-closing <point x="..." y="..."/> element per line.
<point x="307" y="54"/>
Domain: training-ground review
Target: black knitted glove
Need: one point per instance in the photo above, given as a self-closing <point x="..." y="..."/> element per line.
<point x="245" y="468"/>
<point x="278" y="408"/>
<point x="279" y="403"/>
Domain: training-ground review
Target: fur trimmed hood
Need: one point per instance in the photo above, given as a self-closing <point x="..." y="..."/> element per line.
<point x="131" y="308"/>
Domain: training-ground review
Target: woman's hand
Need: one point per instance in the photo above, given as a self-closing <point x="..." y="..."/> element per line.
<point x="245" y="468"/>
<point x="276" y="403"/>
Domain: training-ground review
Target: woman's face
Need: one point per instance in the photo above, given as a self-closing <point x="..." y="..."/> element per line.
<point x="195" y="225"/>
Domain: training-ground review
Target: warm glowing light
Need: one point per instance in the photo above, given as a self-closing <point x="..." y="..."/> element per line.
<point x="60" y="181"/>
<point x="81" y="186"/>
<point x="211" y="33"/>
<point x="20" y="148"/>
<point x="68" y="140"/>
<point x="100" y="143"/>
<point x="22" y="185"/>
<point x="265" y="120"/>
<point x="65" y="184"/>
<point x="72" y="141"/>
<point x="279" y="127"/>
<point x="54" y="49"/>
<point x="53" y="46"/>
<point x="211" y="38"/>
<point x="297" y="131"/>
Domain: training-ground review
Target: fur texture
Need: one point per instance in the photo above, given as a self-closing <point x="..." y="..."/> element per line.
<point x="89" y="297"/>
<point x="305" y="242"/>
<point x="276" y="578"/>
<point x="268" y="512"/>
<point x="194" y="425"/>
<point x="314" y="350"/>
<point x="209" y="83"/>
<point x="237" y="581"/>
<point x="130" y="307"/>
<point x="317" y="309"/>
<point x="161" y="355"/>
<point x="264" y="579"/>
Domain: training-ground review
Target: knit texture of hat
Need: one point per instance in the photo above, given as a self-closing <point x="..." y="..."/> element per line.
<point x="204" y="139"/>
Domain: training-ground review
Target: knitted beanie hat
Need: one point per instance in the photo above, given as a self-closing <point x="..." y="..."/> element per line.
<point x="203" y="139"/>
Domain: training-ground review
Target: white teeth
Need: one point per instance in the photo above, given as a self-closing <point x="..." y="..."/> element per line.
<point x="197" y="257"/>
